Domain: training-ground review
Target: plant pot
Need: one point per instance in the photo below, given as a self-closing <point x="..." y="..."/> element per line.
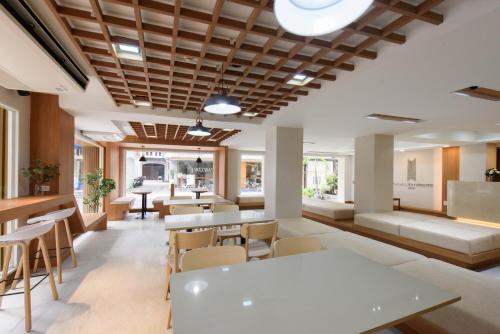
<point x="493" y="178"/>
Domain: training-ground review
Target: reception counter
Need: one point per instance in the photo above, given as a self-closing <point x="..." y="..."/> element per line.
<point x="474" y="200"/>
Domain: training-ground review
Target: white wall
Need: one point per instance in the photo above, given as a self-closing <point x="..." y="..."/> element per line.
<point x="426" y="191"/>
<point x="10" y="100"/>
<point x="475" y="159"/>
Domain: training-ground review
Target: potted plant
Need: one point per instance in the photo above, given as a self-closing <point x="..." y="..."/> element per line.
<point x="492" y="175"/>
<point x="98" y="188"/>
<point x="41" y="174"/>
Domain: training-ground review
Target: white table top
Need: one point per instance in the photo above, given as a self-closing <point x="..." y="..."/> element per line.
<point x="200" y="220"/>
<point x="197" y="201"/>
<point x="141" y="192"/>
<point x="333" y="291"/>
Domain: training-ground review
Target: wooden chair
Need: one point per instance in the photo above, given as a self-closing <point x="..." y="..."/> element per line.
<point x="185" y="209"/>
<point x="296" y="245"/>
<point x="227" y="232"/>
<point x="210" y="257"/>
<point x="183" y="241"/>
<point x="23" y="237"/>
<point x="259" y="239"/>
<point x="213" y="257"/>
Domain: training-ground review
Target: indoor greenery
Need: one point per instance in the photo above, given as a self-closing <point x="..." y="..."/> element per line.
<point x="98" y="188"/>
<point x="41" y="173"/>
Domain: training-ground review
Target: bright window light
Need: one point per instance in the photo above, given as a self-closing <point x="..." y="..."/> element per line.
<point x="300" y="76"/>
<point x="142" y="103"/>
<point x="249" y="114"/>
<point x="128" y="48"/>
<point x="300" y="79"/>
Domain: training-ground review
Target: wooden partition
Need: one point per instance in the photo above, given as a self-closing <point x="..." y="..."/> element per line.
<point x="112" y="170"/>
<point x="90" y="165"/>
<point x="451" y="169"/>
<point x="52" y="138"/>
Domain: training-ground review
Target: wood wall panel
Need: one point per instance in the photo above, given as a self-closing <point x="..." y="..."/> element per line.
<point x="451" y="169"/>
<point x="498" y="158"/>
<point x="52" y="137"/>
<point x="112" y="170"/>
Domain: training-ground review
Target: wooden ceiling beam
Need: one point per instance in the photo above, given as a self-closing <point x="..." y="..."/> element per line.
<point x="412" y="11"/>
<point x="138" y="25"/>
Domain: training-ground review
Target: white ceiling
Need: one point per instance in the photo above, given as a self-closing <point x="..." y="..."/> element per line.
<point x="413" y="80"/>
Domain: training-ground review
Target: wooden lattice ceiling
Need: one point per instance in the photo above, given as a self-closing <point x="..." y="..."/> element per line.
<point x="178" y="133"/>
<point x="185" y="42"/>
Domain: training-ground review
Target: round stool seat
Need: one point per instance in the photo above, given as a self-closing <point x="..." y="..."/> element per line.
<point x="54" y="215"/>
<point x="27" y="233"/>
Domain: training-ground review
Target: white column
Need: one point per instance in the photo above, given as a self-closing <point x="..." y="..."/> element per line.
<point x="233" y="174"/>
<point x="373" y="171"/>
<point x="283" y="172"/>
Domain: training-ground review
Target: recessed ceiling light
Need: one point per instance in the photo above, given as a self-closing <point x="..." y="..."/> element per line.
<point x="300" y="79"/>
<point x="227" y="130"/>
<point x="149" y="124"/>
<point x="250" y="114"/>
<point x="142" y="103"/>
<point x="127" y="51"/>
<point x="446" y="145"/>
<point x="211" y="139"/>
<point x="394" y="118"/>
<point x="402" y="150"/>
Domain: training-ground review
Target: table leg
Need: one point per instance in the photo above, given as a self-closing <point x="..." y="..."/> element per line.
<point x="144" y="203"/>
<point x="198" y="195"/>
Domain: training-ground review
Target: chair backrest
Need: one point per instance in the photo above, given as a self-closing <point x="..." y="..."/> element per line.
<point x="181" y="197"/>
<point x="54" y="215"/>
<point x="213" y="257"/>
<point x="185" y="209"/>
<point x="296" y="245"/>
<point x="226" y="208"/>
<point x="190" y="240"/>
<point x="260" y="231"/>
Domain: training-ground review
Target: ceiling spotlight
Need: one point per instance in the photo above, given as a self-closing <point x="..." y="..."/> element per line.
<point x="142" y="103"/>
<point x="250" y="114"/>
<point x="221" y="103"/>
<point x="198" y="130"/>
<point x="300" y="79"/>
<point x="318" y="17"/>
<point x="127" y="51"/>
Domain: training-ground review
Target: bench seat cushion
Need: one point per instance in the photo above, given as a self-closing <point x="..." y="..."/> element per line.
<point x="375" y="250"/>
<point x="124" y="200"/>
<point x="242" y="199"/>
<point x="328" y="208"/>
<point x="388" y="222"/>
<point x="298" y="227"/>
<point x="479" y="309"/>
<point x="160" y="199"/>
<point x="451" y="235"/>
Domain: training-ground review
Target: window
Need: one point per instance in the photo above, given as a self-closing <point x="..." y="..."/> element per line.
<point x="163" y="168"/>
<point x="251" y="177"/>
<point x="320" y="177"/>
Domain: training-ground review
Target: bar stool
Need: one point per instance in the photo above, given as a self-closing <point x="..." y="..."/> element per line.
<point x="58" y="217"/>
<point x="22" y="237"/>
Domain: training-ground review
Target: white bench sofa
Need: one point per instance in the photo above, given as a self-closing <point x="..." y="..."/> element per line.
<point x="477" y="312"/>
<point x="298" y="227"/>
<point x="327" y="208"/>
<point x="454" y="241"/>
<point x="375" y="250"/>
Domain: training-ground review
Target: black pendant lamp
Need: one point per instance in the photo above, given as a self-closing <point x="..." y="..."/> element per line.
<point x="199" y="161"/>
<point x="222" y="104"/>
<point x="142" y="158"/>
<point x="198" y="130"/>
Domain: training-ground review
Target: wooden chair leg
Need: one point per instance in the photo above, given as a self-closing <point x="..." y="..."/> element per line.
<point x="167" y="281"/>
<point x="37" y="258"/>
<point x="58" y="253"/>
<point x="19" y="270"/>
<point x="48" y="266"/>
<point x="169" y="316"/>
<point x="70" y="242"/>
<point x="27" y="289"/>
<point x="5" y="272"/>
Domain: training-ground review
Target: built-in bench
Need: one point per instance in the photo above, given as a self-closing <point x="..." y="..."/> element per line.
<point x="477" y="311"/>
<point x="298" y="227"/>
<point x="460" y="243"/>
<point x="119" y="207"/>
<point x="250" y="201"/>
<point x="327" y="211"/>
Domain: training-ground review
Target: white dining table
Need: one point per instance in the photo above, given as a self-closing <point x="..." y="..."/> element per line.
<point x="218" y="219"/>
<point x="332" y="291"/>
<point x="197" y="201"/>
